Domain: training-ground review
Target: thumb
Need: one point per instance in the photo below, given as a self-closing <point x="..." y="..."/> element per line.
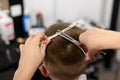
<point x="21" y="48"/>
<point x="44" y="45"/>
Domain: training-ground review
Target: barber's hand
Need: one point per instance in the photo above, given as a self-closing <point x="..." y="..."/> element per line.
<point x="32" y="54"/>
<point x="99" y="39"/>
<point x="92" y="40"/>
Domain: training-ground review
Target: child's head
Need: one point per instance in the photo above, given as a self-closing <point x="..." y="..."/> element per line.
<point x="63" y="59"/>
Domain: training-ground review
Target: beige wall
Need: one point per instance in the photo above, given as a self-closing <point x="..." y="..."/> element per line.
<point x="4" y="4"/>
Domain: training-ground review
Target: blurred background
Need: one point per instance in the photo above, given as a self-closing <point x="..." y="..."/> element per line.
<point x="21" y="18"/>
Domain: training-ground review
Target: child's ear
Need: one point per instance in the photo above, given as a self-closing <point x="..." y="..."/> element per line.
<point x="43" y="70"/>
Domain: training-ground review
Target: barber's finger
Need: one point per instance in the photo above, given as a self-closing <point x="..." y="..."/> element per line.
<point x="21" y="48"/>
<point x="29" y="39"/>
<point x="82" y="37"/>
<point x="87" y="57"/>
<point x="39" y="37"/>
<point x="91" y="54"/>
<point x="47" y="41"/>
<point x="44" y="45"/>
<point x="42" y="48"/>
<point x="97" y="55"/>
<point x="94" y="54"/>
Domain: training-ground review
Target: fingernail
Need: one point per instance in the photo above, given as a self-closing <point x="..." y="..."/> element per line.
<point x="87" y="58"/>
<point x="48" y="41"/>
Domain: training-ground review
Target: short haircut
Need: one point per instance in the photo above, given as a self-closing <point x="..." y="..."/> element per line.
<point x="63" y="58"/>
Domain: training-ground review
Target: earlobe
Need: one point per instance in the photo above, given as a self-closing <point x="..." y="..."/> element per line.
<point x="43" y="71"/>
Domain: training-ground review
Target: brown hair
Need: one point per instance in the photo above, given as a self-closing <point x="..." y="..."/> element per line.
<point x="63" y="58"/>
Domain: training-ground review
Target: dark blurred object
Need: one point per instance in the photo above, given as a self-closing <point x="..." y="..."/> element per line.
<point x="9" y="55"/>
<point x="7" y="74"/>
<point x="95" y="24"/>
<point x="39" y="26"/>
<point x="18" y="24"/>
<point x="40" y="22"/>
<point x="93" y="68"/>
<point x="108" y="60"/>
<point x="59" y="21"/>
